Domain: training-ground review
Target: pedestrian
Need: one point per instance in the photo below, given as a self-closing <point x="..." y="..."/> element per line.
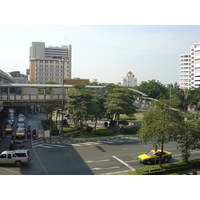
<point x="13" y="136"/>
<point x="11" y="146"/>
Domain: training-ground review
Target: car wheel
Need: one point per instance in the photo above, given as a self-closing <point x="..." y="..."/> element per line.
<point x="166" y="159"/>
<point x="18" y="163"/>
<point x="148" y="162"/>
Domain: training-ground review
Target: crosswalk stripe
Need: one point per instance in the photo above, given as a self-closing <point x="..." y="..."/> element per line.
<point x="40" y="143"/>
<point x="36" y="143"/>
<point x="43" y="146"/>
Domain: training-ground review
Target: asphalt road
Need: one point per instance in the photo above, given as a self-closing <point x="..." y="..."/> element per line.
<point x="86" y="158"/>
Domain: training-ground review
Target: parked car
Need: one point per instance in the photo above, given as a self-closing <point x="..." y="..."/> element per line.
<point x="17" y="157"/>
<point x="8" y="128"/>
<point x="153" y="156"/>
<point x="20" y="133"/>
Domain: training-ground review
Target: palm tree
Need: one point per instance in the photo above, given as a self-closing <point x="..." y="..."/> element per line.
<point x="185" y="97"/>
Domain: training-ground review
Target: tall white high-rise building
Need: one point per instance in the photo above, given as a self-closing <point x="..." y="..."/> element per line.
<point x="46" y="63"/>
<point x="185" y="71"/>
<point x="190" y="67"/>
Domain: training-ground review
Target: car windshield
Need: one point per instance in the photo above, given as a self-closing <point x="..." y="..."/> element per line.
<point x="21" y="126"/>
<point x="20" y="131"/>
<point x="150" y="153"/>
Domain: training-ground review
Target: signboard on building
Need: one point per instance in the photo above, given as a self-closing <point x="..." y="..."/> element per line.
<point x="27" y="72"/>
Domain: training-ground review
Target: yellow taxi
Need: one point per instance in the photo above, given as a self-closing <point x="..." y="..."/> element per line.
<point x="8" y="128"/>
<point x="20" y="133"/>
<point x="153" y="156"/>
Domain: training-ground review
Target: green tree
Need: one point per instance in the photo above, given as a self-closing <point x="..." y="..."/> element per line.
<point x="173" y="90"/>
<point x="97" y="110"/>
<point x="119" y="101"/>
<point x="196" y="98"/>
<point x="154" y="89"/>
<point x="160" y="125"/>
<point x="82" y="104"/>
<point x="48" y="109"/>
<point x="188" y="138"/>
<point x="185" y="97"/>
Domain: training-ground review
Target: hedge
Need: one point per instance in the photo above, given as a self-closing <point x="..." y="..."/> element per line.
<point x="104" y="132"/>
<point x="168" y="168"/>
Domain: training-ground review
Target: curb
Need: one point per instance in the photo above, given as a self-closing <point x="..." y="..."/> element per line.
<point x="90" y="139"/>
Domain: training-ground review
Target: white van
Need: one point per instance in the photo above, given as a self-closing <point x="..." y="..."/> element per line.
<point x="17" y="157"/>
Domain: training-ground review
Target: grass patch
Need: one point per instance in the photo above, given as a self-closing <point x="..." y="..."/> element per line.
<point x="137" y="117"/>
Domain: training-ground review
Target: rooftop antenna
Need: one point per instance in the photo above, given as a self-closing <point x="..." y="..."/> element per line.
<point x="65" y="39"/>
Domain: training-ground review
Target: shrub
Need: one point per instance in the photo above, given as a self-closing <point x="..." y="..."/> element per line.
<point x="55" y="132"/>
<point x="104" y="132"/>
<point x="89" y="129"/>
<point x="130" y="131"/>
<point x="45" y="122"/>
<point x="106" y="124"/>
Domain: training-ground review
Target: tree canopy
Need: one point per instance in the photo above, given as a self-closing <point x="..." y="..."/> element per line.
<point x="160" y="125"/>
<point x="153" y="88"/>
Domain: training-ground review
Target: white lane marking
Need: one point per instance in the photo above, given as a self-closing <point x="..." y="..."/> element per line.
<point x="90" y="143"/>
<point x="132" y="161"/>
<point x="94" y="161"/>
<point x="113" y="172"/>
<point x="54" y="145"/>
<point x="43" y="146"/>
<point x="76" y="145"/>
<point x="121" y="161"/>
<point x="105" y="168"/>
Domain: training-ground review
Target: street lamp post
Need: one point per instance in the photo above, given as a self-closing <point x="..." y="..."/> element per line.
<point x="63" y="60"/>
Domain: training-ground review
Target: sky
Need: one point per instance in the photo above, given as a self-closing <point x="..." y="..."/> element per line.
<point x="104" y="52"/>
<point x="105" y="45"/>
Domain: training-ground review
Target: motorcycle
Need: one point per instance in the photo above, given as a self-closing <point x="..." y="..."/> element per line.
<point x="34" y="134"/>
<point x="14" y="145"/>
<point x="29" y="134"/>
